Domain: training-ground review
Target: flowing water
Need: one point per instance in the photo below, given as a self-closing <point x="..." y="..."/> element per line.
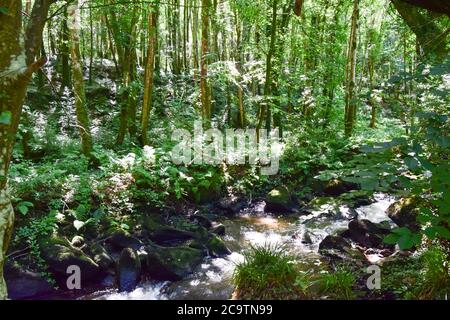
<point x="300" y="235"/>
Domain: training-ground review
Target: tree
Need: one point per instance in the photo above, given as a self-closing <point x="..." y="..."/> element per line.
<point x="204" y="87"/>
<point x="350" y="74"/>
<point x="264" y="108"/>
<point x="78" y="81"/>
<point x="17" y="64"/>
<point x="149" y="72"/>
<point x="429" y="35"/>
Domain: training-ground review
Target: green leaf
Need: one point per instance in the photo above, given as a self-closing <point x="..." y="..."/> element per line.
<point x="5" y="117"/>
<point x="411" y="162"/>
<point x="23" y="209"/>
<point x="3" y="10"/>
<point x="391" y="238"/>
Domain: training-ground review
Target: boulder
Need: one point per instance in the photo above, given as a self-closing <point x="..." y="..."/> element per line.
<point x="121" y="239"/>
<point x="404" y="213"/>
<point x="101" y="256"/>
<point x="167" y="235"/>
<point x="336" y="187"/>
<point x="216" y="247"/>
<point x="172" y="263"/>
<point x="231" y="205"/>
<point x="59" y="254"/>
<point x="24" y="284"/>
<point x="338" y="249"/>
<point x="279" y="200"/>
<point x="219" y="230"/>
<point x="201" y="220"/>
<point x="128" y="270"/>
<point x="367" y="233"/>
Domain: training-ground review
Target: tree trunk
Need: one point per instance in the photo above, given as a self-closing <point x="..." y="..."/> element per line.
<point x="149" y="71"/>
<point x="195" y="38"/>
<point x="17" y="64"/>
<point x="204" y="88"/>
<point x="430" y="36"/>
<point x="350" y="103"/>
<point x="64" y="54"/>
<point x="264" y="109"/>
<point x="78" y="81"/>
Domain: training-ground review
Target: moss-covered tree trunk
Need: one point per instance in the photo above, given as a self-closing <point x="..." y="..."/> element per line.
<point x="149" y="73"/>
<point x="204" y="87"/>
<point x="264" y="110"/>
<point x="17" y="64"/>
<point x="350" y="74"/>
<point x="77" y="79"/>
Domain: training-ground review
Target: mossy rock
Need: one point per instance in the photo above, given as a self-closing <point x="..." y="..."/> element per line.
<point x="337" y="249"/>
<point x="101" y="256"/>
<point x="172" y="263"/>
<point x="217" y="247"/>
<point x="279" y="200"/>
<point x="121" y="239"/>
<point x="404" y="212"/>
<point x="59" y="254"/>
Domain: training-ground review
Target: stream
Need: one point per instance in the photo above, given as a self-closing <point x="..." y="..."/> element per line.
<point x="301" y="236"/>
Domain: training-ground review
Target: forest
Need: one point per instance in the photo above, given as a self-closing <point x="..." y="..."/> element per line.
<point x="224" y="149"/>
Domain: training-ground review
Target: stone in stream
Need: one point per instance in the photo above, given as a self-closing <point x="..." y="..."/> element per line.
<point x="404" y="213"/>
<point x="231" y="206"/>
<point x="338" y="249"/>
<point x="335" y="187"/>
<point x="59" y="254"/>
<point x="367" y="233"/>
<point x="201" y="220"/>
<point x="121" y="239"/>
<point x="219" y="230"/>
<point x="172" y="263"/>
<point x="164" y="235"/>
<point x="216" y="247"/>
<point x="279" y="200"/>
<point x="128" y="270"/>
<point x="101" y="256"/>
<point x="24" y="284"/>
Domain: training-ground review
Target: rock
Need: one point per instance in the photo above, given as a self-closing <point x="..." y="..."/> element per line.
<point x="201" y="220"/>
<point x="367" y="233"/>
<point x="172" y="263"/>
<point x="167" y="235"/>
<point x="128" y="270"/>
<point x="338" y="249"/>
<point x="279" y="201"/>
<point x="24" y="284"/>
<point x="216" y="247"/>
<point x="404" y="213"/>
<point x="101" y="256"/>
<point x="357" y="198"/>
<point x="219" y="230"/>
<point x="59" y="254"/>
<point x="77" y="242"/>
<point x="306" y="238"/>
<point x="231" y="205"/>
<point x="121" y="239"/>
<point x="336" y="187"/>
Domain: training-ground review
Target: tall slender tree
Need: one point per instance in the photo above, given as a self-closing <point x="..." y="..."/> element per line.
<point x="350" y="74"/>
<point x="78" y="81"/>
<point x="149" y="73"/>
